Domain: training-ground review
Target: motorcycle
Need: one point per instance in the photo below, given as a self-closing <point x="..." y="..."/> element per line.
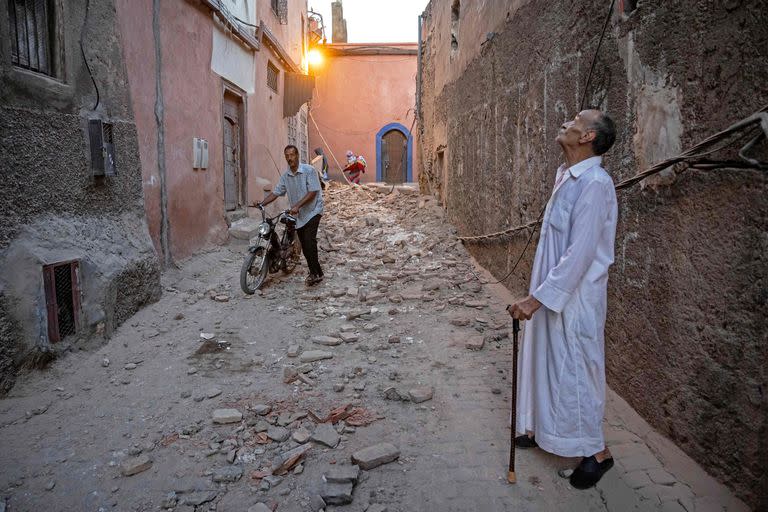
<point x="270" y="251"/>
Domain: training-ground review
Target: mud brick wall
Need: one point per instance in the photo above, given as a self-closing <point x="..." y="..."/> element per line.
<point x="53" y="209"/>
<point x="687" y="342"/>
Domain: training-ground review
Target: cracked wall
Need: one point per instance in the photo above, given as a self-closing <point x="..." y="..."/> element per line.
<point x="686" y="331"/>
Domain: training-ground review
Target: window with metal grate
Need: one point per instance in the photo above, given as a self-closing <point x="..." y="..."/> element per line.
<point x="31" y="34"/>
<point x="272" y="76"/>
<point x="303" y="143"/>
<point x="292" y="131"/>
<point x="62" y="299"/>
<point x="280" y="8"/>
<point x="102" y="145"/>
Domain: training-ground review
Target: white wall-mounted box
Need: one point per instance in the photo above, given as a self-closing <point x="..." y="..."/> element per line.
<point x="199" y="153"/>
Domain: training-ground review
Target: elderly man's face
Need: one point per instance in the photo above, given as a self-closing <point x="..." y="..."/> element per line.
<point x="574" y="133"/>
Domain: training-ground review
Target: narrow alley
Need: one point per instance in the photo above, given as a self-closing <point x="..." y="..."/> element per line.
<point x="401" y="256"/>
<point x="200" y="395"/>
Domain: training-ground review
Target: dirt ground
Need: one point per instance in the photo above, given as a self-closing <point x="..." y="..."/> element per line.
<point x="400" y="302"/>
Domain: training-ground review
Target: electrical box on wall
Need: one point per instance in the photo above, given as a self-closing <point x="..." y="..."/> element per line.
<point x="199" y="153"/>
<point x="102" y="145"/>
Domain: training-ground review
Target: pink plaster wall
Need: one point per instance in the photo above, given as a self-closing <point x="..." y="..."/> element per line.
<point x="355" y="96"/>
<point x="267" y="132"/>
<point x="193" y="108"/>
<point x="193" y="96"/>
<point x="134" y="20"/>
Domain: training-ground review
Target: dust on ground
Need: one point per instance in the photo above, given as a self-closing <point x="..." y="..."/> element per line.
<point x="214" y="400"/>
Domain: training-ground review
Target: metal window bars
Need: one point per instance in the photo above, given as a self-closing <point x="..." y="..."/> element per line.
<point x="30" y="34"/>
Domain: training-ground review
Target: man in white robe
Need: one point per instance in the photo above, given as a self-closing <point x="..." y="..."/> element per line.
<point x="561" y="384"/>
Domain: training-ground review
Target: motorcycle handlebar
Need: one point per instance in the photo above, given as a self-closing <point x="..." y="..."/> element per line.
<point x="264" y="217"/>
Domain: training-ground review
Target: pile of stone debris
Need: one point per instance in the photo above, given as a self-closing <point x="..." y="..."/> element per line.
<point x="389" y="254"/>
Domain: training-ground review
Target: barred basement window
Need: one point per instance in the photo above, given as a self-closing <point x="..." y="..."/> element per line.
<point x="62" y="299"/>
<point x="31" y="32"/>
<point x="272" y="75"/>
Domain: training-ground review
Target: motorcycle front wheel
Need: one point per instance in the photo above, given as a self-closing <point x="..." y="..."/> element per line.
<point x="254" y="271"/>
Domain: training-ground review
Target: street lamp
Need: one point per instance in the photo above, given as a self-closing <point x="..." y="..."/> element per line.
<point x="315" y="57"/>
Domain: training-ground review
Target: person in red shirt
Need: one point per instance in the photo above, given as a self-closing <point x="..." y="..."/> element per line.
<point x="355" y="167"/>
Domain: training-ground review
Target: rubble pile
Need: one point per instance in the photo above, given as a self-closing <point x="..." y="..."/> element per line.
<point x="337" y="391"/>
<point x="387" y="254"/>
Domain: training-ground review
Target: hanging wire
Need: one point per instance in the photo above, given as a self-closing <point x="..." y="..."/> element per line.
<point x="85" y="59"/>
<point x="534" y="225"/>
<point x="594" y="57"/>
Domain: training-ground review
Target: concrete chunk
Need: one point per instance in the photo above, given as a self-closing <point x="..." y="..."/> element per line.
<point x="278" y="434"/>
<point x="286" y="460"/>
<point x="327" y="435"/>
<point x="224" y="416"/>
<point x="342" y="474"/>
<point x="376" y="455"/>
<point x="227" y="474"/>
<point x="349" y="337"/>
<point x="244" y="229"/>
<point x="357" y="313"/>
<point x="336" y="494"/>
<point x="316" y="503"/>
<point x="311" y="356"/>
<point x="262" y="409"/>
<point x="328" y="341"/>
<point x="475" y="343"/>
<point x="301" y="435"/>
<point x="420" y="394"/>
<point x="135" y="466"/>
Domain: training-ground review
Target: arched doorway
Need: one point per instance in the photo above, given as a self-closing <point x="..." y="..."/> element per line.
<point x="394" y="152"/>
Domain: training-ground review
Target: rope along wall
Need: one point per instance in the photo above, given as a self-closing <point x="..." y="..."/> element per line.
<point x="755" y="126"/>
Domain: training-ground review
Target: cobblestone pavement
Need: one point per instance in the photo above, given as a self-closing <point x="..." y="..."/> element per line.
<point x="399" y="304"/>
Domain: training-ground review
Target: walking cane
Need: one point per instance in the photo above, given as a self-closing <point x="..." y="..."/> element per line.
<point x="511" y="474"/>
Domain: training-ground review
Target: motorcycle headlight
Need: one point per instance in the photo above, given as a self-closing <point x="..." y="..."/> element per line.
<point x="264" y="229"/>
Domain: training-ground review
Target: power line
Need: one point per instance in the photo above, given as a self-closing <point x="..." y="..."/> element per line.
<point x="594" y="57"/>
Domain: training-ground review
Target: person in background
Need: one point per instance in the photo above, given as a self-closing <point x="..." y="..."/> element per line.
<point x="355" y="167"/>
<point x="324" y="168"/>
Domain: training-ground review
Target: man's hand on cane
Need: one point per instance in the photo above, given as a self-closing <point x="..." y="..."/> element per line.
<point x="524" y="309"/>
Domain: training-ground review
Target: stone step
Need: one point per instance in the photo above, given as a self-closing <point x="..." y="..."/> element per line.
<point x="245" y="228"/>
<point x="233" y="216"/>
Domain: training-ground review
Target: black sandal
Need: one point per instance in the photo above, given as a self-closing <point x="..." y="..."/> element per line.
<point x="524" y="441"/>
<point x="589" y="472"/>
